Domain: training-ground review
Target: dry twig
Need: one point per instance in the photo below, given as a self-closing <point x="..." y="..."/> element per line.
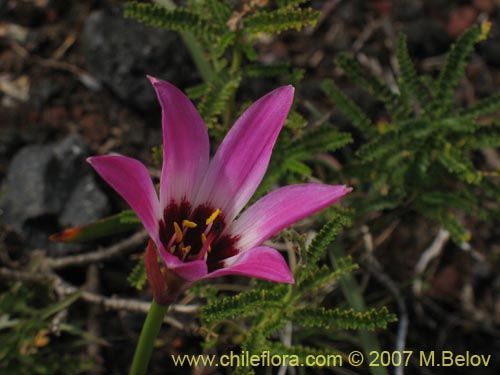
<point x="96" y="256"/>
<point x="375" y="268"/>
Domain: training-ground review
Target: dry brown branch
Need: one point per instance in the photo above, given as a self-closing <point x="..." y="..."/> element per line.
<point x="430" y="253"/>
<point x="114" y="303"/>
<point x="375" y="268"/>
<point x="92" y="283"/>
<point x="130" y="243"/>
<point x="6" y="273"/>
<point x="63" y="288"/>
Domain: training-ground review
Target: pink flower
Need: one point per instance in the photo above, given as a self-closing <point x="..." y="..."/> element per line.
<point x="195" y="224"/>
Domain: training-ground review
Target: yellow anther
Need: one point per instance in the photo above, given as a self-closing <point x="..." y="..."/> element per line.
<point x="187" y="249"/>
<point x="212" y="217"/>
<point x="178" y="232"/>
<point x="189" y="224"/>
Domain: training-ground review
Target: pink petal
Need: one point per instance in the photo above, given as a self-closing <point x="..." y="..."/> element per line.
<point x="242" y="159"/>
<point x="130" y="178"/>
<point x="189" y="271"/>
<point x="186" y="149"/>
<point x="281" y="208"/>
<point x="260" y="262"/>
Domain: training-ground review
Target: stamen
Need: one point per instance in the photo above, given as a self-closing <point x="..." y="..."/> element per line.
<point x="212" y="217"/>
<point x="203" y="240"/>
<point x="189" y="224"/>
<point x="187" y="249"/>
<point x="205" y="248"/>
<point x="171" y="243"/>
<point x="178" y="232"/>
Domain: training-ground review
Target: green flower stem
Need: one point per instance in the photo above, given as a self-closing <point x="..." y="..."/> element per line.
<point x="149" y="332"/>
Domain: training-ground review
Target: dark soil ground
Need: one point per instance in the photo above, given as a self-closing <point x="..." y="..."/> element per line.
<point x="72" y="76"/>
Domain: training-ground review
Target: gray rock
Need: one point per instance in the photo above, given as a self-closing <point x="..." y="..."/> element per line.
<point x="25" y="190"/>
<point x="67" y="167"/>
<point x="49" y="187"/>
<point x="86" y="204"/>
<point x="120" y="52"/>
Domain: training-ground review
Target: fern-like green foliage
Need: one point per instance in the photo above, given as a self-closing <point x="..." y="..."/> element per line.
<point x="319" y="244"/>
<point x="350" y="109"/>
<point x="319" y="277"/>
<point x="346" y="319"/>
<point x="215" y="97"/>
<point x="138" y="277"/>
<point x="281" y="20"/>
<point x="26" y="332"/>
<point x="224" y="34"/>
<point x="425" y="151"/>
<point x="219" y="10"/>
<point x="244" y="304"/>
<point x="178" y="19"/>
<point x="293" y="151"/>
<point x="268" y="307"/>
<point x="371" y="84"/>
<point x="454" y="69"/>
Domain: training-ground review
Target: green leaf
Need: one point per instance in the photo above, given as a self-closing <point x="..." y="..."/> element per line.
<point x="216" y="96"/>
<point x="176" y="19"/>
<point x="249" y="51"/>
<point x="138" y="277"/>
<point x="280" y="20"/>
<point x="316" y="141"/>
<point x="408" y="79"/>
<point x="219" y="10"/>
<point x="58" y="306"/>
<point x="295" y="166"/>
<point x="348" y="108"/>
<point x="378" y="203"/>
<point x="379" y="147"/>
<point x="454" y="68"/>
<point x="485" y="136"/>
<point x="483" y="107"/>
<point x="243" y="304"/>
<point x="295" y="120"/>
<point x="449" y="199"/>
<point x="456" y="163"/>
<point x="343" y="319"/>
<point x="372" y="85"/>
<point x="320" y="242"/>
<point x="122" y="222"/>
<point x="266" y="71"/>
<point x="225" y="41"/>
<point x="325" y="275"/>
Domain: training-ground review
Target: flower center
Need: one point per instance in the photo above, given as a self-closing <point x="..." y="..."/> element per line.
<point x="194" y="234"/>
<point x="206" y="237"/>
